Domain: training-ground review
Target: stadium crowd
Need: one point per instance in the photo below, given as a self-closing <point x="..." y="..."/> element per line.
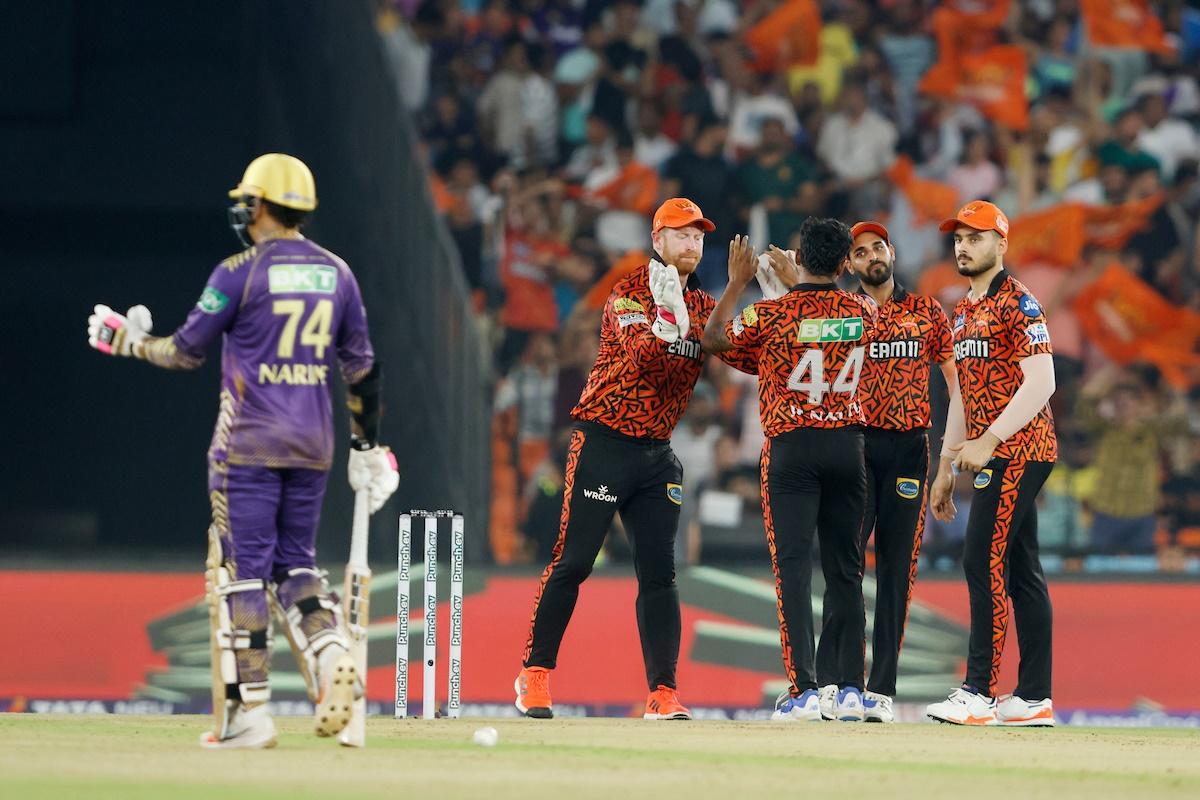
<point x="553" y="129"/>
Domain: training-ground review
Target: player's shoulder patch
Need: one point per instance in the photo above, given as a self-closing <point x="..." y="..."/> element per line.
<point x="626" y="305"/>
<point x="238" y="259"/>
<point x="1029" y="305"/>
<point x="749" y="315"/>
<point x="1038" y="333"/>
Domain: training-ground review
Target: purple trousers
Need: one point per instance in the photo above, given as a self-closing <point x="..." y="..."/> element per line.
<point x="272" y="517"/>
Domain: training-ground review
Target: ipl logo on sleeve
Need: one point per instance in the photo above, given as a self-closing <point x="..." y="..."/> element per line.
<point x="675" y="493"/>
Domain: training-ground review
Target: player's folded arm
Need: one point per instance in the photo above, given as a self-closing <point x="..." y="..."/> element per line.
<point x="1036" y="389"/>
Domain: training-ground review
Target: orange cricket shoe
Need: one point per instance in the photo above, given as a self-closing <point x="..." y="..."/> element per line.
<point x="664" y="704"/>
<point x="533" y="693"/>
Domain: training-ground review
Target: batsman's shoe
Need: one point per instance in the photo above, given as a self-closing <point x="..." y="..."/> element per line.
<point x="338" y="676"/>
<point x="533" y="693"/>
<point x="805" y="708"/>
<point x="850" y="705"/>
<point x="247" y="729"/>
<point x="877" y="708"/>
<point x="964" y="707"/>
<point x="1019" y="712"/>
<point x="662" y="703"/>
<point x="827" y="700"/>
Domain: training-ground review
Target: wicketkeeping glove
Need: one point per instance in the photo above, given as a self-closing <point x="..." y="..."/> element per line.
<point x="667" y="291"/>
<point x="116" y="334"/>
<point x="376" y="471"/>
<point x="768" y="281"/>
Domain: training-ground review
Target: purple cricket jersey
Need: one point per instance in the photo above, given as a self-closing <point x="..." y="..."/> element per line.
<point x="287" y="309"/>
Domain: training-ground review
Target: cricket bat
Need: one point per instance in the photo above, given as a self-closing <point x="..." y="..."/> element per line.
<point x="356" y="597"/>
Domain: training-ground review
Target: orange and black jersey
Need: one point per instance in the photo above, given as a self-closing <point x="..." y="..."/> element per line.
<point x="809" y="347"/>
<point x="991" y="337"/>
<point x="640" y="385"/>
<point x="912" y="332"/>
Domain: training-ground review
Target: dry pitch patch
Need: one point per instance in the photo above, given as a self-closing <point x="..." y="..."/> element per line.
<point x="157" y="757"/>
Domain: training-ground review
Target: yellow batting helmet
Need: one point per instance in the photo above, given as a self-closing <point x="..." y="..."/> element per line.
<point x="282" y="179"/>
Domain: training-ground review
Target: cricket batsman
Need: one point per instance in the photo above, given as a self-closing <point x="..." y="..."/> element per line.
<point x="620" y="459"/>
<point x="285" y="309"/>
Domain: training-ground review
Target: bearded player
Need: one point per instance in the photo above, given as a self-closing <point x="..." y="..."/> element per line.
<point x="620" y="459"/>
<point x="1000" y="428"/>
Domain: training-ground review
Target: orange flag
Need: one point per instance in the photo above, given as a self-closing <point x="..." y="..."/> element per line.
<point x="992" y="80"/>
<point x="631" y="262"/>
<point x="787" y="37"/>
<point x="1111" y="227"/>
<point x="1130" y="321"/>
<point x="1123" y="23"/>
<point x="931" y="201"/>
<point x="1052" y="236"/>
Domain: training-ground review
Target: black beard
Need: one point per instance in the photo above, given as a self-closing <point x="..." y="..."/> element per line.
<point x="971" y="272"/>
<point x="871" y="280"/>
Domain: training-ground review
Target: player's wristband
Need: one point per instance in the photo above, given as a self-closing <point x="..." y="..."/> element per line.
<point x="361" y="445"/>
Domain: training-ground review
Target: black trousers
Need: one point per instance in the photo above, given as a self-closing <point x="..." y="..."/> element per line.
<point x="897" y="466"/>
<point x="814" y="485"/>
<point x="1000" y="559"/>
<point x="609" y="472"/>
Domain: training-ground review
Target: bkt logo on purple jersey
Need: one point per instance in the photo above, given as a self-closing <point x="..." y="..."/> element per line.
<point x="302" y="279"/>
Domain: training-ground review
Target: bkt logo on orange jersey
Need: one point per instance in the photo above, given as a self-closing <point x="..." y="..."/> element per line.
<point x="847" y="329"/>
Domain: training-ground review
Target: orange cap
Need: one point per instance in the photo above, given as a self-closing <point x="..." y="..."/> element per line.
<point x="870" y="226"/>
<point x="679" y="212"/>
<point x="980" y="215"/>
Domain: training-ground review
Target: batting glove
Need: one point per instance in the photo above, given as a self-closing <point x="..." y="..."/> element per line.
<point x="116" y="334"/>
<point x="376" y="471"/>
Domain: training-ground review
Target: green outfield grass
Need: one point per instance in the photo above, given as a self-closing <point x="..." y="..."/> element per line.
<point x="157" y="757"/>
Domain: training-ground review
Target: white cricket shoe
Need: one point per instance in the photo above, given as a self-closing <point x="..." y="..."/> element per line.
<point x="247" y="729"/>
<point x="849" y="705"/>
<point x="1019" y="712"/>
<point x="964" y="708"/>
<point x="804" y="708"/>
<point x="877" y="708"/>
<point x="827" y="697"/>
<point x="337" y="675"/>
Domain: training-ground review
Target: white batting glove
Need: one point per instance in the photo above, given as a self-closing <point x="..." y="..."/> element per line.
<point x="768" y="281"/>
<point x="116" y="334"/>
<point x="376" y="471"/>
<point x="667" y="291"/>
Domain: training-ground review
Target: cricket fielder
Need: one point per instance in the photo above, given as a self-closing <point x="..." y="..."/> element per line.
<point x="912" y="333"/>
<point x="620" y="459"/>
<point x="285" y="308"/>
<point x="999" y="427"/>
<point x="809" y="345"/>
